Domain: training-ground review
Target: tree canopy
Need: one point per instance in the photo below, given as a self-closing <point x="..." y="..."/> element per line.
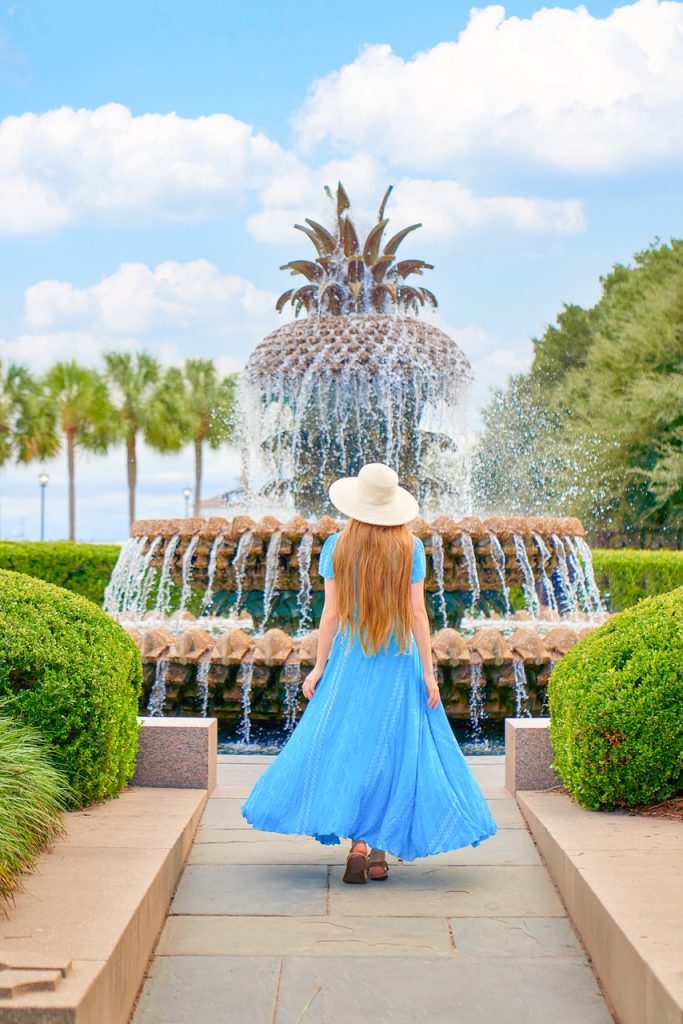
<point x="595" y="428"/>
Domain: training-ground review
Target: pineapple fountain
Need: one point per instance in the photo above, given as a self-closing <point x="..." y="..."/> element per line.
<point x="224" y="609"/>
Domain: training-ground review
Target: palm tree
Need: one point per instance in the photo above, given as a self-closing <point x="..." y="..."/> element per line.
<point x="28" y="422"/>
<point x="85" y="416"/>
<point x="210" y="402"/>
<point x="146" y="401"/>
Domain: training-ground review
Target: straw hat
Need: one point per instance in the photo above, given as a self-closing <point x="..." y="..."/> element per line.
<point x="374" y="496"/>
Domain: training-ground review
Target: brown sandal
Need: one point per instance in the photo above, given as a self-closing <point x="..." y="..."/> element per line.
<point x="379" y="862"/>
<point x="356" y="863"/>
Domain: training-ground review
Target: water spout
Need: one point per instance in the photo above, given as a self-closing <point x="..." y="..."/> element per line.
<point x="471" y="567"/>
<point x="245" y="676"/>
<point x="213" y="563"/>
<point x="202" y="678"/>
<point x="239" y="564"/>
<point x="521" y="694"/>
<point x="188" y="558"/>
<point x="437" y="562"/>
<point x="163" y="602"/>
<point x="528" y="582"/>
<point x="157" y="697"/>
<point x="305" y="595"/>
<point x="271" y="575"/>
<point x="476" y="702"/>
<point x="499" y="560"/>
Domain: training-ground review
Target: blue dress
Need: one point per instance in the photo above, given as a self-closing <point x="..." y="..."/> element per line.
<point x="369" y="759"/>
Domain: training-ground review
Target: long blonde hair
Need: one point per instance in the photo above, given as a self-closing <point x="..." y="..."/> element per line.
<point x="372" y="570"/>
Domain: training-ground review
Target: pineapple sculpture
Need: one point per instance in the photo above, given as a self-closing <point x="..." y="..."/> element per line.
<point x="358" y="378"/>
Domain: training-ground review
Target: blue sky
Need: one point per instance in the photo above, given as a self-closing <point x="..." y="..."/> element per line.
<point x="537" y="145"/>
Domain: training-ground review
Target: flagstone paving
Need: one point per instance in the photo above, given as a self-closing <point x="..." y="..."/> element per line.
<point x="263" y="931"/>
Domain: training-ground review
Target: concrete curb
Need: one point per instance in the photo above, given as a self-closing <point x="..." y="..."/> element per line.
<point x="75" y="945"/>
<point x="620" y="877"/>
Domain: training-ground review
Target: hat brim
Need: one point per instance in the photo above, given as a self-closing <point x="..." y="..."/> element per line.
<point x="346" y="496"/>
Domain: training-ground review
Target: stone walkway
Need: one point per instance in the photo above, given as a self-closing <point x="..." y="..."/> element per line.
<point x="263" y="931"/>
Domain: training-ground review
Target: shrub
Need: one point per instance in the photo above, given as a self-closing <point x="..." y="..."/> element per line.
<point x="616" y="708"/>
<point x="74" y="675"/>
<point x="630" y="575"/>
<point x="82" y="568"/>
<point x="32" y="794"/>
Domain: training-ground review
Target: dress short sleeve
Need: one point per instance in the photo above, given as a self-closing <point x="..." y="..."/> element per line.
<point x="325" y="566"/>
<point x="419" y="562"/>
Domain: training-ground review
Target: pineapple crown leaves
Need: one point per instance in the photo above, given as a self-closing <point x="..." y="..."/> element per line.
<point x="348" y="277"/>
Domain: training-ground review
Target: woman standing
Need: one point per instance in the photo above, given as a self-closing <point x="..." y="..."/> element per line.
<point x="373" y="757"/>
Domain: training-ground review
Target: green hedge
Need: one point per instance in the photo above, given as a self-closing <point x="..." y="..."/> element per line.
<point x="629" y="575"/>
<point x="32" y="794"/>
<point x="82" y="568"/>
<point x="74" y="675"/>
<point x="616" y="708"/>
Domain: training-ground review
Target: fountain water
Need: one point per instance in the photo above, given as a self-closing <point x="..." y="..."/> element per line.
<point x="499" y="561"/>
<point x="304" y="596"/>
<point x="272" y="572"/>
<point x="163" y="602"/>
<point x="245" y="676"/>
<point x="240" y="565"/>
<point x="437" y="561"/>
<point x="202" y="678"/>
<point x="213" y="563"/>
<point x="528" y="582"/>
<point x="476" y="701"/>
<point x="157" y="697"/>
<point x="188" y="565"/>
<point x="471" y="565"/>
<point x="521" y="692"/>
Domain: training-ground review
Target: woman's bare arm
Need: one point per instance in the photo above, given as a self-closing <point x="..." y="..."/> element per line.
<point x="329" y="620"/>
<point x="420" y="626"/>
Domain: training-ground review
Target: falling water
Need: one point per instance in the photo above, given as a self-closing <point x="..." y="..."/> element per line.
<point x="566" y="598"/>
<point x="528" y="583"/>
<point x="271" y="574"/>
<point x="291" y="677"/>
<point x="188" y="567"/>
<point x="576" y="576"/>
<point x="546" y="585"/>
<point x="471" y="566"/>
<point x="163" y="602"/>
<point x="498" y="556"/>
<point x="211" y="571"/>
<point x="239" y="564"/>
<point x="245" y="676"/>
<point x="148" y="577"/>
<point x="202" y="678"/>
<point x="521" y="694"/>
<point x="157" y="696"/>
<point x="589" y="573"/>
<point x="437" y="562"/>
<point x="131" y="590"/>
<point x="304" y="597"/>
<point x="477" y="711"/>
<point x="114" y="594"/>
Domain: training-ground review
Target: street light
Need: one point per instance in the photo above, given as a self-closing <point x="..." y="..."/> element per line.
<point x="187" y="493"/>
<point x="42" y="480"/>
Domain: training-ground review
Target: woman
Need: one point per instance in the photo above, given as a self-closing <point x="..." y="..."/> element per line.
<point x="373" y="757"/>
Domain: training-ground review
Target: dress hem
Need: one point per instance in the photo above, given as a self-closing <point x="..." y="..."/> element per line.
<point x="332" y="838"/>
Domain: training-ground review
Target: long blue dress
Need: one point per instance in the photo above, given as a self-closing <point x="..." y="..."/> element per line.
<point x="369" y="759"/>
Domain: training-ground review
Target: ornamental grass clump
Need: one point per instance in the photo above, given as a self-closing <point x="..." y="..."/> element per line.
<point x="73" y="674"/>
<point x="616" y="708"/>
<point x="33" y="792"/>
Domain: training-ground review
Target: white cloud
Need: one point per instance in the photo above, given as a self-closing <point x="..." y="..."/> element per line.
<point x="174" y="310"/>
<point x="69" y="165"/>
<point x="561" y="87"/>
<point x="446" y="209"/>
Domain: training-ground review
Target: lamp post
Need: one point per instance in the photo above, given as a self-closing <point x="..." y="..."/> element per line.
<point x="42" y="480"/>
<point x="187" y="493"/>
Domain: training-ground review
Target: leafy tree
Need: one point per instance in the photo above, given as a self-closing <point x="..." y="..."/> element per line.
<point x="147" y="401"/>
<point x="85" y="416"/>
<point x="28" y="424"/>
<point x="595" y="428"/>
<point x="210" y="402"/>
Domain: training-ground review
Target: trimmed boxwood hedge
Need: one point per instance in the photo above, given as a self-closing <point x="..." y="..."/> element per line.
<point x="616" y="708"/>
<point x="82" y="568"/>
<point x="74" y="675"/>
<point x="629" y="575"/>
